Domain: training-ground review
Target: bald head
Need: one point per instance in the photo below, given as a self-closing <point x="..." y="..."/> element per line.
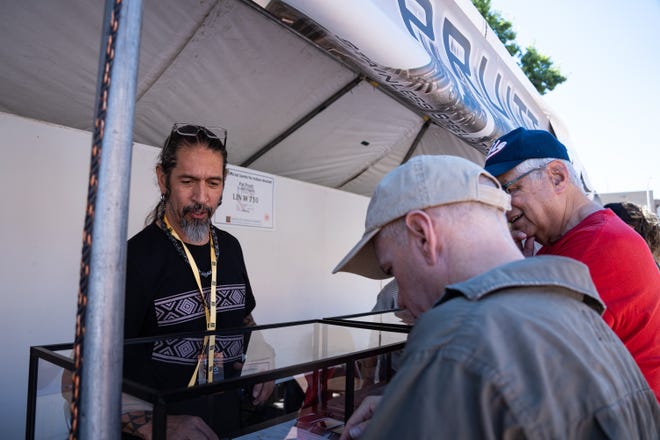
<point x="429" y="249"/>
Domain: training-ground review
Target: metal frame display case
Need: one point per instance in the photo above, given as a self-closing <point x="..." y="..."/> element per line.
<point x="324" y="354"/>
<point x="394" y="320"/>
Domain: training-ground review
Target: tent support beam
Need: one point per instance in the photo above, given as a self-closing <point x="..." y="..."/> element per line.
<point x="418" y="139"/>
<point x="325" y="104"/>
<point x="409" y="153"/>
<point x="356" y="175"/>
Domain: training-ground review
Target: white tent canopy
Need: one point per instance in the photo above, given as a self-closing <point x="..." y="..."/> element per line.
<point x="331" y="92"/>
<point x="337" y="99"/>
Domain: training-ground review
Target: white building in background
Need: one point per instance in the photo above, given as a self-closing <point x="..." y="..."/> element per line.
<point x="644" y="198"/>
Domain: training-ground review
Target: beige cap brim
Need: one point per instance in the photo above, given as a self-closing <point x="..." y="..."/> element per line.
<point x="362" y="260"/>
<point x="422" y="182"/>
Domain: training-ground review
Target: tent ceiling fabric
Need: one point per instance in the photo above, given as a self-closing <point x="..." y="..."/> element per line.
<point x="218" y="63"/>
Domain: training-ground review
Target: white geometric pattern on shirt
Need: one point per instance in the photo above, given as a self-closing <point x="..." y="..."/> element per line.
<point x="184" y="351"/>
<point x="186" y="306"/>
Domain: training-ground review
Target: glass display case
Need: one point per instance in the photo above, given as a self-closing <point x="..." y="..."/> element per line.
<point x="319" y="371"/>
<point x="394" y="320"/>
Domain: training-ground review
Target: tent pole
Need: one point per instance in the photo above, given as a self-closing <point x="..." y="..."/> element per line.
<point x="101" y="298"/>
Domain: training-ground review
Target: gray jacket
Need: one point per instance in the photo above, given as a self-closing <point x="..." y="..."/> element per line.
<point x="517" y="352"/>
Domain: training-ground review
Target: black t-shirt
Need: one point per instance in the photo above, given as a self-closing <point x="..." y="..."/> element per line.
<point x="161" y="293"/>
<point x="162" y="298"/>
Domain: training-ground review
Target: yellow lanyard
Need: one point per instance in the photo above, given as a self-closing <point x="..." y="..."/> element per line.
<point x="209" y="310"/>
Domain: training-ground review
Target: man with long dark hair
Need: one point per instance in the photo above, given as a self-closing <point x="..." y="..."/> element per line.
<point x="186" y="275"/>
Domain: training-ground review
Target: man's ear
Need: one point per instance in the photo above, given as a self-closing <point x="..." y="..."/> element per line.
<point x="422" y="235"/>
<point x="162" y="179"/>
<point x="559" y="175"/>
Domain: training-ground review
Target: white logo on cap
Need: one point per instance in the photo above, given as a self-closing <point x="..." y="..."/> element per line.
<point x="495" y="148"/>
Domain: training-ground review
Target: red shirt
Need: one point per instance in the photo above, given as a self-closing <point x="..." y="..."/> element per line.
<point x="627" y="279"/>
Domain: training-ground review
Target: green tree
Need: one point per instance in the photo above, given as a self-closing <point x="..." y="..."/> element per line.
<point x="538" y="67"/>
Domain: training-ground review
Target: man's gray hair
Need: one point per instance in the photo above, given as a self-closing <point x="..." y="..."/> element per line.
<point x="531" y="164"/>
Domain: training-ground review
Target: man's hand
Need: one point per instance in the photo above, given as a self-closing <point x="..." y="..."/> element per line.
<point x="525" y="243"/>
<point x="178" y="427"/>
<point x="360" y="418"/>
<point x="261" y="392"/>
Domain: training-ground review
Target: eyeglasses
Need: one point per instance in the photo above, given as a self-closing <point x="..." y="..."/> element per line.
<point x="192" y="130"/>
<point x="507" y="186"/>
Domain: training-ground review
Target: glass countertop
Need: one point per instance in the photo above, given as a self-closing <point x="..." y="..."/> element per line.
<point x="396" y="318"/>
<point x="174" y="362"/>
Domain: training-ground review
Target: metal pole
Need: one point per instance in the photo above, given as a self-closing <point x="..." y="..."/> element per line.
<point x="349" y="401"/>
<point x="103" y="343"/>
<point x="33" y="377"/>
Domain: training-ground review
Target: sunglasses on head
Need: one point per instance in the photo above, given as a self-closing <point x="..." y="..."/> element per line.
<point x="192" y="130"/>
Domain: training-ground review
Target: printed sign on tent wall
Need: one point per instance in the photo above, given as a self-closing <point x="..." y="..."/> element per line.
<point x="248" y="199"/>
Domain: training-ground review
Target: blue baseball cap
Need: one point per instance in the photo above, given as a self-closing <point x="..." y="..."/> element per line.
<point x="519" y="145"/>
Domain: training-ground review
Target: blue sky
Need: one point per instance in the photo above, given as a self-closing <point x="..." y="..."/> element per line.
<point x="610" y="52"/>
